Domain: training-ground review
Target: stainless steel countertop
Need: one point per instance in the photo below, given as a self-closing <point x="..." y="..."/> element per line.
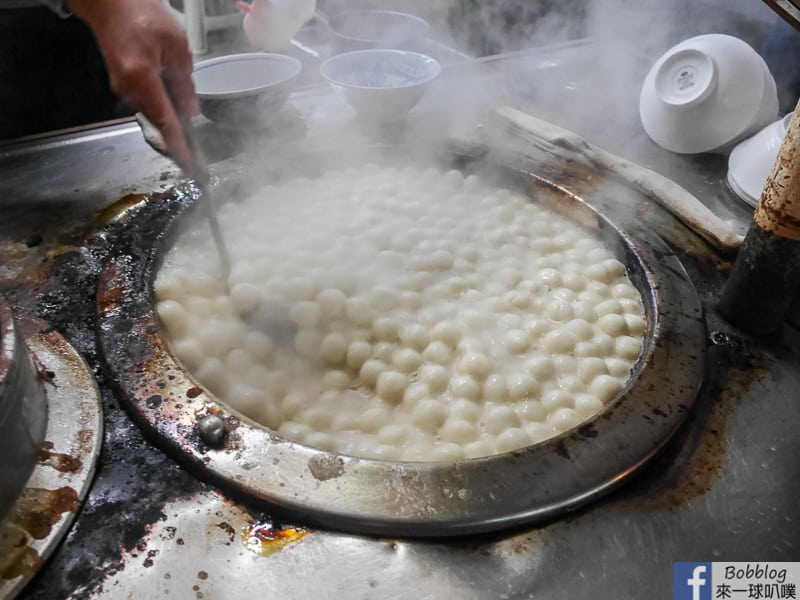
<point x="725" y="490"/>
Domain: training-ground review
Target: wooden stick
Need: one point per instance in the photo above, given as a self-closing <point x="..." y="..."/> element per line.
<point x="673" y="197"/>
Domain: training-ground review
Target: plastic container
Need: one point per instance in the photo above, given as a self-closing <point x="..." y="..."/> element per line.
<point x="271" y="24"/>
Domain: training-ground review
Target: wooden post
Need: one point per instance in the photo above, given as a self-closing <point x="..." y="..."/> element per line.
<point x="766" y="275"/>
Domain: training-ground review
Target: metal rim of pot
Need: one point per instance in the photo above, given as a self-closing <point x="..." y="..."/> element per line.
<point x="412" y="499"/>
<point x="64" y="464"/>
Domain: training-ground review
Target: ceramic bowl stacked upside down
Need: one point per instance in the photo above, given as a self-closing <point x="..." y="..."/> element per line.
<point x="752" y="160"/>
<point x="706" y="94"/>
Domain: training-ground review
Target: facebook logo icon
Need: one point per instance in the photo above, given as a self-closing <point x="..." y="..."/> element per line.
<point x="692" y="581"/>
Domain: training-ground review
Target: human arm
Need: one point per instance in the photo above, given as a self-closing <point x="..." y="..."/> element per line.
<point x="148" y="61"/>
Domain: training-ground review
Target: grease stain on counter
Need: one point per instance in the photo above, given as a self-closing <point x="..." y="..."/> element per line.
<point x="264" y="539"/>
<point x="35" y="513"/>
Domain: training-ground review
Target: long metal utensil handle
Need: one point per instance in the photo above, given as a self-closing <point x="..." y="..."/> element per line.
<point x="202" y="178"/>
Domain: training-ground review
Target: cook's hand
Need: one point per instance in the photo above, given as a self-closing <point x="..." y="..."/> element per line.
<point x="149" y="63"/>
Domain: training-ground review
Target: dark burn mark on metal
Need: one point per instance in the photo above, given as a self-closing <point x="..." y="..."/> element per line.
<point x="110" y="297"/>
<point x="228" y="529"/>
<point x="724" y="338"/>
<point x="151" y="554"/>
<point x="128" y="498"/>
<point x="33" y="241"/>
<point x="44" y="375"/>
<point x="560" y="448"/>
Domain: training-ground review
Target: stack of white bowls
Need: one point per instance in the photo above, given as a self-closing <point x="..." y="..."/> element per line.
<point x="751" y="161"/>
<point x="706" y="94"/>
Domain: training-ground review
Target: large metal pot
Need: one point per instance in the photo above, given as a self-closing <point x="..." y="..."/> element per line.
<point x="417" y="499"/>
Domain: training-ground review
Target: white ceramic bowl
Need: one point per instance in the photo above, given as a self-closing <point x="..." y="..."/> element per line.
<point x="751" y="161"/>
<point x="381" y="84"/>
<point x="243" y="90"/>
<point x="363" y="29"/>
<point x="706" y="93"/>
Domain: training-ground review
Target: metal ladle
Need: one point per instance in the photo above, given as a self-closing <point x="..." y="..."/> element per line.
<point x="201" y="179"/>
<point x="272" y="318"/>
